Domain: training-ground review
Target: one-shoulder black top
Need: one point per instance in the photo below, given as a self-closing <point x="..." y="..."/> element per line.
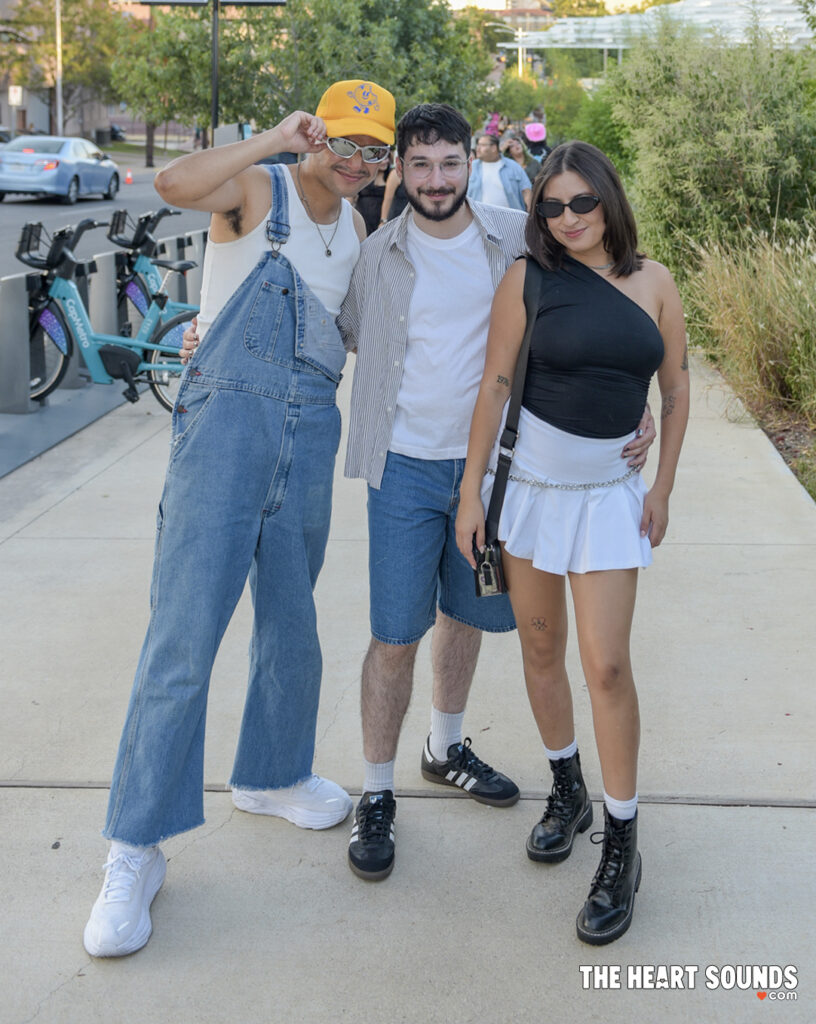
<point x="592" y="354"/>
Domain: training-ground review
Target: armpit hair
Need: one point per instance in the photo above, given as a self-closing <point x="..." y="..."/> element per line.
<point x="233" y="218"/>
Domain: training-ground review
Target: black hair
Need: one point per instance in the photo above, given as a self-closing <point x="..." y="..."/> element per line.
<point x="428" y="123"/>
<point x="489" y="137"/>
<point x="598" y="171"/>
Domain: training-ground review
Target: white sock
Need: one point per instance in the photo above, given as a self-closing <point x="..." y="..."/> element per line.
<point x="445" y="730"/>
<point x="623" y="810"/>
<point x="557" y="755"/>
<point x="126" y="850"/>
<point x="378" y="776"/>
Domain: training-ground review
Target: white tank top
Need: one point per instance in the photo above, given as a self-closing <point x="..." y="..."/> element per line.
<point x="228" y="264"/>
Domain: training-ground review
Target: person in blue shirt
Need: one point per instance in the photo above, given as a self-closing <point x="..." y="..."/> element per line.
<point x="497" y="180"/>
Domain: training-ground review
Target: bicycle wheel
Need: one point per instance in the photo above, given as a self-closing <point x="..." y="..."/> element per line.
<point x="164" y="381"/>
<point x="132" y="305"/>
<point x="49" y="348"/>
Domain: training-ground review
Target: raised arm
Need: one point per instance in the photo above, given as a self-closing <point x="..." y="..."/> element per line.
<point x="673" y="379"/>
<point x="219" y="180"/>
<point x="391" y="185"/>
<point x="508" y="320"/>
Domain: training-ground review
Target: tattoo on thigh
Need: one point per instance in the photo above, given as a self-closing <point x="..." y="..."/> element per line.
<point x="668" y="406"/>
<point x="538" y="623"/>
<point x="503" y="380"/>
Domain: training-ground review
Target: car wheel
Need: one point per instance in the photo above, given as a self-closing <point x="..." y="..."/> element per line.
<point x="2" y="196"/>
<point x="72" y="194"/>
<point x="113" y="187"/>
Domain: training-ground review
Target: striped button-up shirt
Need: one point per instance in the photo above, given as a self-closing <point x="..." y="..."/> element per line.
<point x="374" y="321"/>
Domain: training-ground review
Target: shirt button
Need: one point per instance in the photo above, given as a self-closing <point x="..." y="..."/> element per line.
<point x="402" y="318"/>
<point x="396" y="362"/>
<point x="388" y="408"/>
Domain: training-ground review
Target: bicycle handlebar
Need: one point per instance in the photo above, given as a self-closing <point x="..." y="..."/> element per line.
<point x="141" y="240"/>
<point x="61" y="242"/>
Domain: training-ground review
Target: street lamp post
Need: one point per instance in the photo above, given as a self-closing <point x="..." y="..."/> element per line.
<point x="518" y="33"/>
<point x="58" y="82"/>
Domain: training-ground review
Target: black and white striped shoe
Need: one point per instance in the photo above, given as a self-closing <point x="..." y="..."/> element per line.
<point x="465" y="770"/>
<point x="371" y="847"/>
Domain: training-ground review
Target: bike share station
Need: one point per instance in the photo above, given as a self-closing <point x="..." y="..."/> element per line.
<point x="101" y="283"/>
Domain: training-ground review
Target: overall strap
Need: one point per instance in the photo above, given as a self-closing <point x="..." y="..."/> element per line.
<point x="277" y="227"/>
<point x="507" y="442"/>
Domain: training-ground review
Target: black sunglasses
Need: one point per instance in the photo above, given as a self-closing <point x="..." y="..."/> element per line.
<point x="551" y="208"/>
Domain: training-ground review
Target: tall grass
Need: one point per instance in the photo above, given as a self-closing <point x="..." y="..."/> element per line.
<point x="752" y="306"/>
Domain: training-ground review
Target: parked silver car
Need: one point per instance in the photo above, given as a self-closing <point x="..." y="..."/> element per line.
<point x="54" y="165"/>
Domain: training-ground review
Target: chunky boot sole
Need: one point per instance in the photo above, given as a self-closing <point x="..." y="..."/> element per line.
<point x="610" y="934"/>
<point x="559" y="853"/>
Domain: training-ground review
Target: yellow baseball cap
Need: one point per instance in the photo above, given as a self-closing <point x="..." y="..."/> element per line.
<point x="357" y="107"/>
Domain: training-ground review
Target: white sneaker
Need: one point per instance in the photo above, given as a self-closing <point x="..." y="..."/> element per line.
<point x="120" y="919"/>
<point x="311" y="803"/>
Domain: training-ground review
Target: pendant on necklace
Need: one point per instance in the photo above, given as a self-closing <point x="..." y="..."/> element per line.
<point x="328" y="252"/>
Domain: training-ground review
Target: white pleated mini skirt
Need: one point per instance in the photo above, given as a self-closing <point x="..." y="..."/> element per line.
<point x="572" y="504"/>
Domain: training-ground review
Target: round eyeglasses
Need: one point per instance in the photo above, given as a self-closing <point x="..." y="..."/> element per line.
<point x="552" y="208"/>
<point x="422" y="168"/>
<point x="346" y="149"/>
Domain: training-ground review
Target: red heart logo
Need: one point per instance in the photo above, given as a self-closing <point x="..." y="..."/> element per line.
<point x="761" y="995"/>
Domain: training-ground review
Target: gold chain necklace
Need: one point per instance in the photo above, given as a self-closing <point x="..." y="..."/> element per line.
<point x="305" y="201"/>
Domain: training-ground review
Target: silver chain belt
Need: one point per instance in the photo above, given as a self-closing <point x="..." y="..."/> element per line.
<point x="569" y="487"/>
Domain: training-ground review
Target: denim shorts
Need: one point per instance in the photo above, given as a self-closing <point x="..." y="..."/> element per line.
<point x="413" y="560"/>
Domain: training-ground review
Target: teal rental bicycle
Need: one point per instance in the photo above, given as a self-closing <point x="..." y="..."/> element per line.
<point x="137" y="275"/>
<point x="58" y="320"/>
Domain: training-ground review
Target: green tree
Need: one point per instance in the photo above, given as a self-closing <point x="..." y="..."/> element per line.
<point x="515" y="97"/>
<point x="273" y="60"/>
<point x="596" y="123"/>
<point x="562" y="96"/>
<point x="89" y="35"/>
<point x="578" y="8"/>
<point x="724" y="137"/>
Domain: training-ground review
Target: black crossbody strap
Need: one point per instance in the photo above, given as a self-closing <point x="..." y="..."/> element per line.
<point x="507" y="441"/>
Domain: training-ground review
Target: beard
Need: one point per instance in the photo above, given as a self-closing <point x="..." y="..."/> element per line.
<point x="425" y="208"/>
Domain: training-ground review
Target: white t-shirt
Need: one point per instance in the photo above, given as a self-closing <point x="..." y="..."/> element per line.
<point x="447" y="333"/>
<point x="228" y="264"/>
<point x="492" y="188"/>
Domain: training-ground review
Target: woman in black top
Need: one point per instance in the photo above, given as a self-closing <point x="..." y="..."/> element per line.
<point x="607" y="320"/>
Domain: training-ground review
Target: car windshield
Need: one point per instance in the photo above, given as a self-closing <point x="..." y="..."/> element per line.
<point x="36" y="145"/>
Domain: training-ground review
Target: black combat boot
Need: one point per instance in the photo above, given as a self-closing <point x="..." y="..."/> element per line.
<point x="608" y="910"/>
<point x="568" y="811"/>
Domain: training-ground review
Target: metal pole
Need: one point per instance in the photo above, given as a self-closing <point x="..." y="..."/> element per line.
<point x="59" y="69"/>
<point x="214" y="76"/>
<point x="520" y="54"/>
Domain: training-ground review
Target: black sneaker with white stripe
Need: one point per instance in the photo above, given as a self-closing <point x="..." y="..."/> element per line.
<point x="371" y="847"/>
<point x="465" y="770"/>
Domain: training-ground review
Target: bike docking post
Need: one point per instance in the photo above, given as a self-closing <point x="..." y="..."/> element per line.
<point x="77" y="376"/>
<point x="15" y="369"/>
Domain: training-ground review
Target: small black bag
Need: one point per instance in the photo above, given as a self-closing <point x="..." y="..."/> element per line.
<point x="489" y="574"/>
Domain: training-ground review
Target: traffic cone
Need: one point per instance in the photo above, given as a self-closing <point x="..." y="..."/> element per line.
<point x="128" y="177"/>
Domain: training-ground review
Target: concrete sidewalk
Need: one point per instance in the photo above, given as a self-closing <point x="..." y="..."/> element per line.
<point x="261" y="922"/>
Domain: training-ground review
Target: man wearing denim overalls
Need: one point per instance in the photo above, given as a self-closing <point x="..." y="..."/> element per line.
<point x="254" y="436"/>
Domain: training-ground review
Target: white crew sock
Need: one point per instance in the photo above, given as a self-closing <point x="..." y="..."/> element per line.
<point x="378" y="776"/>
<point x="126" y="850"/>
<point x="557" y="755"/>
<point x="623" y="810"/>
<point x="445" y="730"/>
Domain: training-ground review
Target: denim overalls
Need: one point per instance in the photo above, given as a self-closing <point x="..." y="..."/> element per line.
<point x="255" y="432"/>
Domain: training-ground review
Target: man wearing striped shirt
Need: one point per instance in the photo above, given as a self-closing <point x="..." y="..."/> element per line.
<point x="417" y="315"/>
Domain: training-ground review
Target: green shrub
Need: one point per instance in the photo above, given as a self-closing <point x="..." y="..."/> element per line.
<point x="724" y="137"/>
<point x="751" y="304"/>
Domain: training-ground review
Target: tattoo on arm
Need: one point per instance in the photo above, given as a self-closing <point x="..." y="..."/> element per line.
<point x="684" y="364"/>
<point x="668" y="407"/>
<point x="503" y="380"/>
<point x="539" y="624"/>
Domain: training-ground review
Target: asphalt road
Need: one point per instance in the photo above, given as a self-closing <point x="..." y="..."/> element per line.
<point x="138" y="198"/>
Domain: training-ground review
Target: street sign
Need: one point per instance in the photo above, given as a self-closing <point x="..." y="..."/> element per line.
<point x="15" y="95"/>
